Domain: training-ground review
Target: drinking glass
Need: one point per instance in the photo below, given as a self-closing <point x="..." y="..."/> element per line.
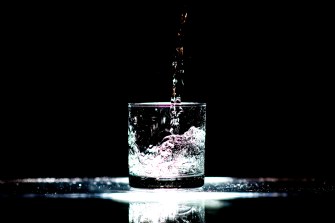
<point x="166" y="144"/>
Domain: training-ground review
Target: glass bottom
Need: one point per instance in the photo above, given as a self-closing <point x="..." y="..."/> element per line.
<point x="176" y="182"/>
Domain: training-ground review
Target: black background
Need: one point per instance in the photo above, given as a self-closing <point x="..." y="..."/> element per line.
<point x="70" y="70"/>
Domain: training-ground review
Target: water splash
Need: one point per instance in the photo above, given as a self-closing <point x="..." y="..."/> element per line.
<point x="177" y="155"/>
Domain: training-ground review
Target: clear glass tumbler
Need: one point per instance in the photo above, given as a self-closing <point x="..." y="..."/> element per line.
<point x="166" y="144"/>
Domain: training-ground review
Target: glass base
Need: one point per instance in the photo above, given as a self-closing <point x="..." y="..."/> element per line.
<point x="176" y="182"/>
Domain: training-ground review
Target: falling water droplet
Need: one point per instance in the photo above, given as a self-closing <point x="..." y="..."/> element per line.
<point x="178" y="72"/>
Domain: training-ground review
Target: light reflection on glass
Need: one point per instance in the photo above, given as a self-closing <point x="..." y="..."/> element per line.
<point x="157" y="212"/>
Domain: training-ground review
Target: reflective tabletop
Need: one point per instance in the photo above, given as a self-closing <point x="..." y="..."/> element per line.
<point x="219" y="198"/>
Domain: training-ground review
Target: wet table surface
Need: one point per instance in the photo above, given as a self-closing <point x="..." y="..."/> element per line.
<point x="220" y="198"/>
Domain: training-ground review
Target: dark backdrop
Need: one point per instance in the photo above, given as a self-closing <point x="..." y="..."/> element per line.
<point x="70" y="71"/>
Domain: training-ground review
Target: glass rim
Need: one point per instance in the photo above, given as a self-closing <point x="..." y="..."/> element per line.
<point x="165" y="104"/>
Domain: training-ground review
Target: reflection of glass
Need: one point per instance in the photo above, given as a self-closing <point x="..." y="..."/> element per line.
<point x="166" y="143"/>
<point x="157" y="212"/>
